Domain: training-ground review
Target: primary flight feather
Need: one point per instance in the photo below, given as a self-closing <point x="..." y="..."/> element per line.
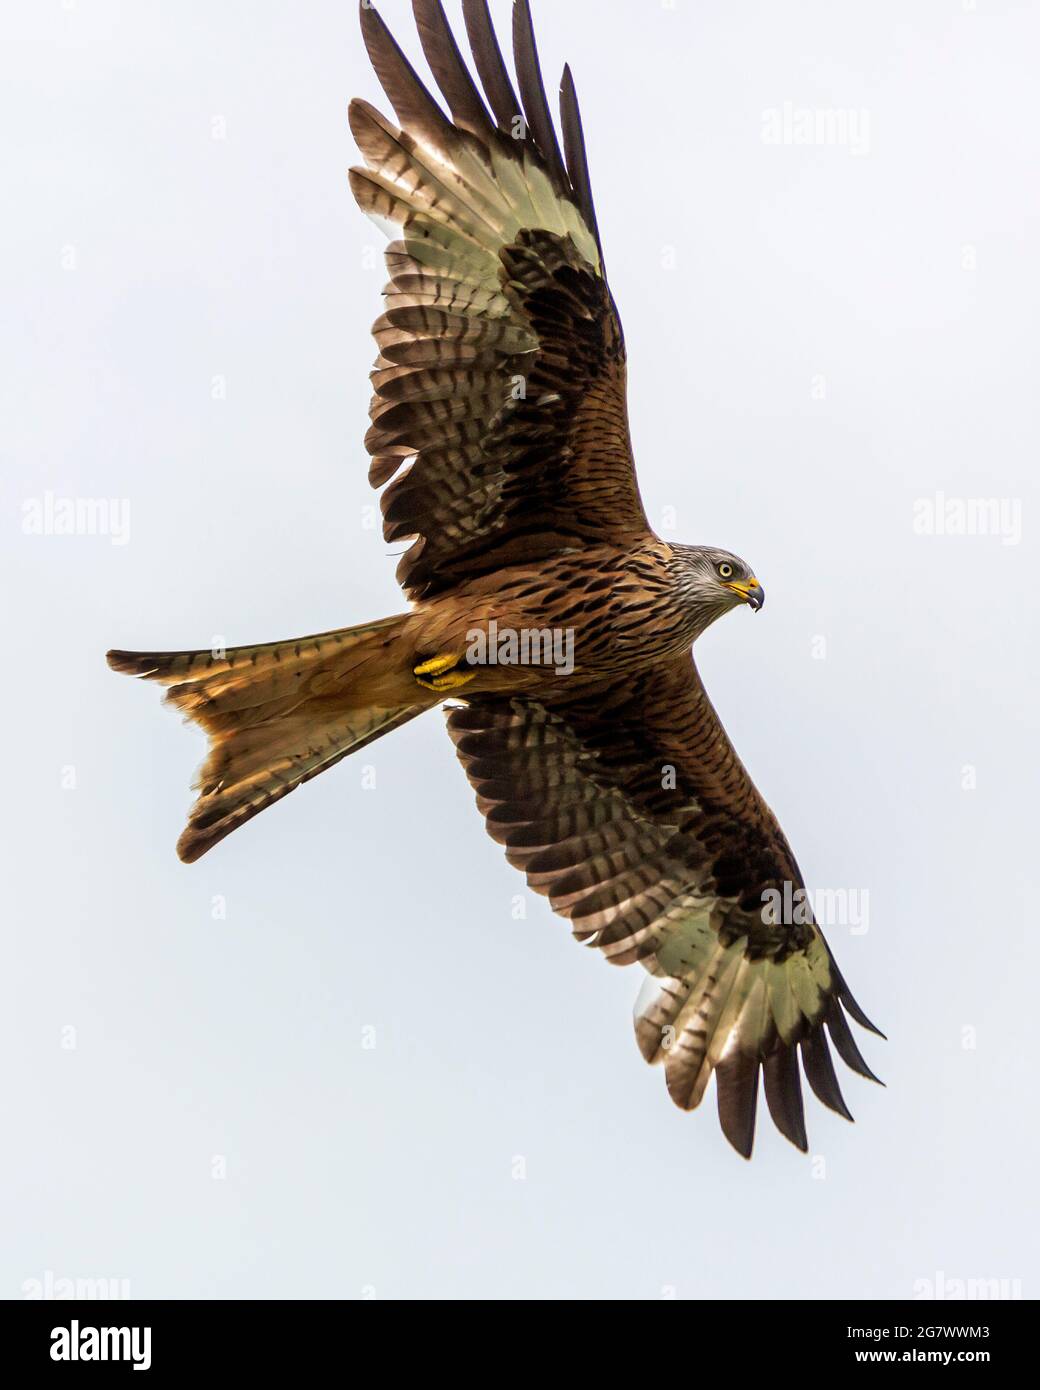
<point x="541" y="600"/>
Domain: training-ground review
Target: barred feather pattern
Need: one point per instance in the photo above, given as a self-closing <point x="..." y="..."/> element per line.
<point x="277" y="715"/>
<point x="628" y="808"/>
<point x="499" y="408"/>
<point x="500" y="438"/>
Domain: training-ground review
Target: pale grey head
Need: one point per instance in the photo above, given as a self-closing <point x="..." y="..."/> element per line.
<point x="713" y="581"/>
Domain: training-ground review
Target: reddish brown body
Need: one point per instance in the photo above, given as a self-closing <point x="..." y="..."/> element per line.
<point x="500" y="431"/>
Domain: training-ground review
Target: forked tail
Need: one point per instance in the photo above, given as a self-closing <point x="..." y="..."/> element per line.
<point x="279" y="714"/>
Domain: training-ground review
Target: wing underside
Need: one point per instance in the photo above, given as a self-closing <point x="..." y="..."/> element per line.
<point x="499" y="411"/>
<point x="630" y="811"/>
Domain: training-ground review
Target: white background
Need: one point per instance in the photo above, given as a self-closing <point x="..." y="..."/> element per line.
<point x="503" y="1136"/>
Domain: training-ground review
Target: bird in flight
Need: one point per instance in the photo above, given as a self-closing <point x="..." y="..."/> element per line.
<point x="542" y="604"/>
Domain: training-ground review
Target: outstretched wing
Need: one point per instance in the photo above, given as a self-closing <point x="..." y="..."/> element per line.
<point x="630" y="810"/>
<point x="500" y="383"/>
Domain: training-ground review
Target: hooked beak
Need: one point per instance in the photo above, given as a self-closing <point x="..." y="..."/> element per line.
<point x="750" y="590"/>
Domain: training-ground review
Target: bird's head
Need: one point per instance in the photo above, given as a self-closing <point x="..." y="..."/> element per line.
<point x="714" y="581"/>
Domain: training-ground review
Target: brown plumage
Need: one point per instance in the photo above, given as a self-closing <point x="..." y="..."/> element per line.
<point x="540" y="596"/>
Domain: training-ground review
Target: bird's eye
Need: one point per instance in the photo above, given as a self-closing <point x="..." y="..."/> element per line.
<point x="725" y="571"/>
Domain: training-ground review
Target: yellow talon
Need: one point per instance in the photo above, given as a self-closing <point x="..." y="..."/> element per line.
<point x="437" y="665"/>
<point x="443" y="676"/>
<point x="452" y="681"/>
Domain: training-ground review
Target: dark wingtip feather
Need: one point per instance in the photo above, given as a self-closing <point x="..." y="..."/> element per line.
<point x="574" y="150"/>
<point x="736" y="1085"/>
<point x="490" y="65"/>
<point x="819" y="1072"/>
<point x="845" y="995"/>
<point x="532" y="92"/>
<point x="415" y="107"/>
<point x="784" y="1095"/>
<point x="843" y="992"/>
<point x="446" y="64"/>
<point x="841" y="1036"/>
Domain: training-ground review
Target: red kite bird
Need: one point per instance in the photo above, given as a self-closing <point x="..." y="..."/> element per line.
<point x="539" y="596"/>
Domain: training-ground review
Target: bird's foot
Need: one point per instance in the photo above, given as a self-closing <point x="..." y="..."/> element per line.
<point x="440" y="674"/>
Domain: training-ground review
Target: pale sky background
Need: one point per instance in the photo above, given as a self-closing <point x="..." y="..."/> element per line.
<point x="818" y="337"/>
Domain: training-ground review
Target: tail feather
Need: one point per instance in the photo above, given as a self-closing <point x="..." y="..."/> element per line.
<point x="169" y="667"/>
<point x="279" y="714"/>
<point x="293" y="757"/>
